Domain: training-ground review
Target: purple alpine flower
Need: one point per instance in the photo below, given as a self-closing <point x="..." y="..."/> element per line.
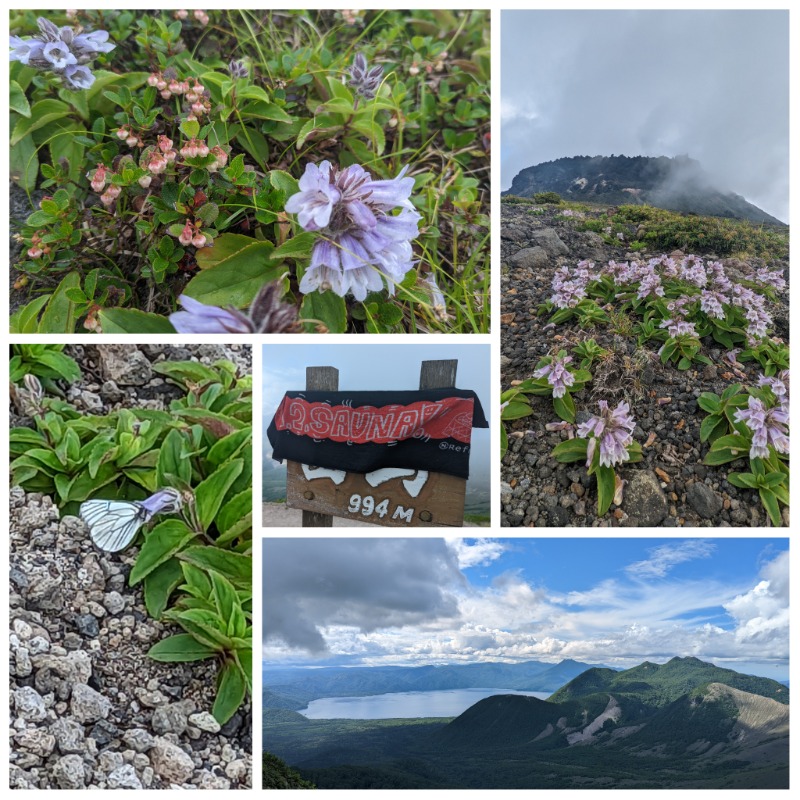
<point x="62" y="51"/>
<point x="197" y="317"/>
<point x="613" y="429"/>
<point x="362" y="245"/>
<point x="267" y="314"/>
<point x="364" y="79"/>
<point x="770" y="426"/>
<point x="164" y="501"/>
<point x="78" y="77"/>
<point x="557" y="374"/>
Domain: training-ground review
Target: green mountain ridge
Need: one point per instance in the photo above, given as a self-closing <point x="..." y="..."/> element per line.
<point x="682" y="724"/>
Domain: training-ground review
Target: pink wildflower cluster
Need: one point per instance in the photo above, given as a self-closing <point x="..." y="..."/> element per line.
<point x="717" y="290"/>
<point x="557" y="374"/>
<point x="613" y="429"/>
<point x="38" y="248"/>
<point x="200" y="15"/>
<point x="569" y="286"/>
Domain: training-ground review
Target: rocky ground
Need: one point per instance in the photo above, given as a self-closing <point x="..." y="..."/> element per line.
<point x="88" y="708"/>
<point x="670" y="487"/>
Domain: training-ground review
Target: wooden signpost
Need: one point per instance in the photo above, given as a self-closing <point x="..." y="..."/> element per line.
<point x="393" y="497"/>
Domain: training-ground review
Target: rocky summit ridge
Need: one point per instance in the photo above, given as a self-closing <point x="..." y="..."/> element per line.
<point x="676" y="184"/>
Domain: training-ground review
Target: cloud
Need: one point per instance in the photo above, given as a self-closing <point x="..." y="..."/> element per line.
<point x="366" y="584"/>
<point x="476" y="552"/>
<point x="762" y="614"/>
<point x="653" y="83"/>
<point x="405" y="601"/>
<point x="663" y="558"/>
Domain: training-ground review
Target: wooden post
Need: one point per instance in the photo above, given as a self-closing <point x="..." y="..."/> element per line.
<point x="320" y="379"/>
<point x="438" y="374"/>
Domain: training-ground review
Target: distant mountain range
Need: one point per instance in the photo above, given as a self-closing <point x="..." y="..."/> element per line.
<point x="683" y="724"/>
<point x="293" y="687"/>
<point x="676" y="184"/>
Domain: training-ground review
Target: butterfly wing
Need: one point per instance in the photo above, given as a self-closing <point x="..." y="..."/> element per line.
<point x="113" y="523"/>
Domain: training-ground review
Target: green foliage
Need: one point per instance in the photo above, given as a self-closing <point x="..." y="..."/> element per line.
<point x="45" y="361"/>
<point x="668" y="230"/>
<point x="196" y="569"/>
<point x="276" y="774"/>
<point x="130" y="252"/>
<point x="548" y="198"/>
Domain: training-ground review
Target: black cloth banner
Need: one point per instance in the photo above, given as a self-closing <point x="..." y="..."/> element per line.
<point x="428" y="429"/>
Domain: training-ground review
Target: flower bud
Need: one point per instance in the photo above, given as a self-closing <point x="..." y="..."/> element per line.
<point x="166" y="94"/>
<point x="202" y="149"/>
<point x="171" y="155"/>
<point x="198" y="108"/>
<point x="161" y="84"/>
<point x="122" y="133"/>
<point x="182" y="14"/>
<point x="145" y="181"/>
<point x="35" y="252"/>
<point x="174" y="86"/>
<point x="186" y="234"/>
<point x="199" y="240"/>
<point x="164" y="144"/>
<point x="131" y="141"/>
<point x="152" y="79"/>
<point x="191" y="97"/>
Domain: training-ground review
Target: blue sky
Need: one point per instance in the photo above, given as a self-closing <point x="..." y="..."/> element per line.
<point x="376" y="366"/>
<point x="612" y="601"/>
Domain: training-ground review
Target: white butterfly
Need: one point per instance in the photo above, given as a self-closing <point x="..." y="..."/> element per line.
<point x="113" y="524"/>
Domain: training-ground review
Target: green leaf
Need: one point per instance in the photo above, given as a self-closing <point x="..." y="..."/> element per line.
<point x="173" y="459"/>
<point x="159" y="585"/>
<point x="325" y="307"/>
<point x="224" y="595"/>
<point x="743" y="480"/>
<point x="163" y="542"/>
<point x="299" y="246"/>
<point x="131" y="320"/>
<point x="516" y="409"/>
<point x="605" y="488"/>
<point x="571" y="450"/>
<point x="24" y="163"/>
<point x="18" y="101"/>
<point x="235" y="279"/>
<point x="231" y="692"/>
<point x="210" y="494"/>
<point x="283" y="181"/>
<point x="709" y="402"/>
<point x="503" y="442"/>
<point x="237" y="567"/>
<point x="228" y="446"/>
<point x="770" y="503"/>
<point x="26" y="320"/>
<point x="180" y="647"/>
<point x="41" y="113"/>
<point x="565" y="407"/>
<point x="59" y="366"/>
<point x="59" y="315"/>
<point x="237" y="508"/>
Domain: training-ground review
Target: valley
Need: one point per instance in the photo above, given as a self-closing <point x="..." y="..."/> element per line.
<point x="682" y="724"/>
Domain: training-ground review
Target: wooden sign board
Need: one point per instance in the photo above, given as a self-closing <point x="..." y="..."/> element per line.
<point x="399" y="498"/>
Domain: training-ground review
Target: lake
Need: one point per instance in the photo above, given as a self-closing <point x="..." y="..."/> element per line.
<point x="440" y="703"/>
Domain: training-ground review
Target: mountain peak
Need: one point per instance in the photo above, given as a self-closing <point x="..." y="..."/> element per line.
<point x="676" y="184"/>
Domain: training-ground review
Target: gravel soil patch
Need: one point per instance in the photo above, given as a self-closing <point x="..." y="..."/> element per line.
<point x="89" y="709"/>
<point x="670" y="487"/>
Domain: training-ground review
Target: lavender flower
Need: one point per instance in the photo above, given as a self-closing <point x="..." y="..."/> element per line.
<point x="362" y="245"/>
<point x="712" y="303"/>
<point x="778" y="383"/>
<point x="613" y="429"/>
<point x="557" y="374"/>
<point x="238" y="69"/>
<point x="769" y="426"/>
<point x="164" y="501"/>
<point x="767" y="278"/>
<point x="267" y="314"/>
<point x="364" y="79"/>
<point x="678" y="327"/>
<point x="693" y="271"/>
<point x="62" y="51"/>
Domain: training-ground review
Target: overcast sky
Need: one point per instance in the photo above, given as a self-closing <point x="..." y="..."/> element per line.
<point x="617" y="602"/>
<point x="710" y="84"/>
